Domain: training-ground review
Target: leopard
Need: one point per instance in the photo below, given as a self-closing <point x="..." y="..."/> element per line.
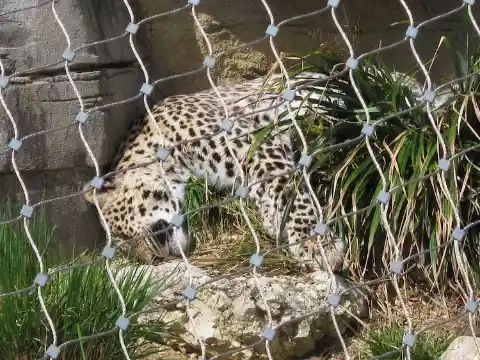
<point x="210" y="135"/>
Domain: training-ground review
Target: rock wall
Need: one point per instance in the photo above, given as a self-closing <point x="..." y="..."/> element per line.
<point x="177" y="46"/>
<point x="56" y="164"/>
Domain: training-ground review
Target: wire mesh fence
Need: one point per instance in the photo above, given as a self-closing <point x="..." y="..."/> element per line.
<point x="322" y="228"/>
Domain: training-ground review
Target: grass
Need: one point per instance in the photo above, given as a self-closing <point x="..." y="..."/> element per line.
<point x="406" y="148"/>
<point x="346" y="180"/>
<point x="223" y="238"/>
<point x="388" y="339"/>
<point x="81" y="301"/>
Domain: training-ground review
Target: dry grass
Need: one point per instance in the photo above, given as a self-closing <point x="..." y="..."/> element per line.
<point x="230" y="253"/>
<point x="224" y="242"/>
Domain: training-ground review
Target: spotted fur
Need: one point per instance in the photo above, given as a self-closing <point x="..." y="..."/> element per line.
<point x="137" y="201"/>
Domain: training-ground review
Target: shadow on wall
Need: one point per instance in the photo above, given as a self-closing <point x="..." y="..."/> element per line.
<point x="173" y="46"/>
<point x="106" y="19"/>
<point x="176" y="46"/>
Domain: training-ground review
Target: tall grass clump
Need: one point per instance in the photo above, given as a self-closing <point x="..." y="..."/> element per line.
<point x="407" y="148"/>
<point x="81" y="301"/>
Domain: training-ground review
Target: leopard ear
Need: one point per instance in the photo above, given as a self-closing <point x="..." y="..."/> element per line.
<point x="100" y="194"/>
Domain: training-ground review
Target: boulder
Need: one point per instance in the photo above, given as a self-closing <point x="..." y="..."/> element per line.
<point x="464" y="348"/>
<point x="229" y="313"/>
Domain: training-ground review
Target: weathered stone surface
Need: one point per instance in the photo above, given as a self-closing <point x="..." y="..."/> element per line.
<point x="85" y="21"/>
<point x="51" y="103"/>
<point x="229" y="24"/>
<point x="462" y="348"/>
<point x="230" y="313"/>
<point x="56" y="163"/>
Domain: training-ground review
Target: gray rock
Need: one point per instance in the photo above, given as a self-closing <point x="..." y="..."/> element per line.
<point x="56" y="163"/>
<point x="463" y="348"/>
<point x="230" y="313"/>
